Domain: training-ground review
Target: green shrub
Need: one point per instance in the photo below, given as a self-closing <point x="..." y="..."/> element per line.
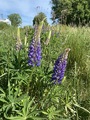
<point x="3" y="25"/>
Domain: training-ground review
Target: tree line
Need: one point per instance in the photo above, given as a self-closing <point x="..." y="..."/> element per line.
<point x="69" y="12"/>
<point x="16" y="19"/>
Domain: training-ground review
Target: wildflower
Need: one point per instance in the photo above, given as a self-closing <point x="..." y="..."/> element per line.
<point x="60" y="67"/>
<point x="48" y="39"/>
<point x="18" y="46"/>
<point x="18" y="43"/>
<point x="34" y="53"/>
<point x="35" y="47"/>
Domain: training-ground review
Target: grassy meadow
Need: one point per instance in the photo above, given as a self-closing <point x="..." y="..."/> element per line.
<point x="27" y="93"/>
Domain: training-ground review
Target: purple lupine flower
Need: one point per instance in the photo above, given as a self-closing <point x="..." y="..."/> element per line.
<point x="34" y="53"/>
<point x="60" y="67"/>
<point x="35" y="49"/>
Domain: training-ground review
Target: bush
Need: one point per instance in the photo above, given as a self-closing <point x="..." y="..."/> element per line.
<point x="3" y="25"/>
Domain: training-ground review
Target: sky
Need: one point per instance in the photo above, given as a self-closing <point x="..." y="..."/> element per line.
<point x="27" y="9"/>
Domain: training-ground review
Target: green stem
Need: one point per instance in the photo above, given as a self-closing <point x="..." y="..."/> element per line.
<point x="76" y="105"/>
<point x="8" y="73"/>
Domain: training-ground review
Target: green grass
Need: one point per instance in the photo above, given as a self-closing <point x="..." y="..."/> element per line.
<point x="27" y="93"/>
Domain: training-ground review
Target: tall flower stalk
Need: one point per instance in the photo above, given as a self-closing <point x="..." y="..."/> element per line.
<point x="18" y="43"/>
<point x="35" y="47"/>
<point x="48" y="39"/>
<point x="60" y="67"/>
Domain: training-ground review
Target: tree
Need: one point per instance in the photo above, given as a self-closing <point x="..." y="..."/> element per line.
<point x="38" y="18"/>
<point x="71" y="11"/>
<point x="15" y="19"/>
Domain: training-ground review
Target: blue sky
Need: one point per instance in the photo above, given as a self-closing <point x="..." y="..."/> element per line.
<point x="26" y="8"/>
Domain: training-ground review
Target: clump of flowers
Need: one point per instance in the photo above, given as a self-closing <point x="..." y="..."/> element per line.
<point x="60" y="67"/>
<point x="35" y="47"/>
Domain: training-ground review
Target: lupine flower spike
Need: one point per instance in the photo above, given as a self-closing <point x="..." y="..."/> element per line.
<point x="35" y="47"/>
<point x="60" y="67"/>
<point x="48" y="39"/>
<point x="26" y="42"/>
<point x="18" y="43"/>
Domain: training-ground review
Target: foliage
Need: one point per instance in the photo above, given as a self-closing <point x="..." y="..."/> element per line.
<point x="3" y="25"/>
<point x="15" y="19"/>
<point x="38" y="18"/>
<point x="71" y="11"/>
<point x="27" y="93"/>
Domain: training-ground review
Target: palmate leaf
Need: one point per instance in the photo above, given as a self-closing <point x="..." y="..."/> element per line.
<point x="2" y="96"/>
<point x="3" y="100"/>
<point x="28" y="111"/>
<point x="22" y="118"/>
<point x="11" y="100"/>
<point x="14" y="118"/>
<point x="52" y="113"/>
